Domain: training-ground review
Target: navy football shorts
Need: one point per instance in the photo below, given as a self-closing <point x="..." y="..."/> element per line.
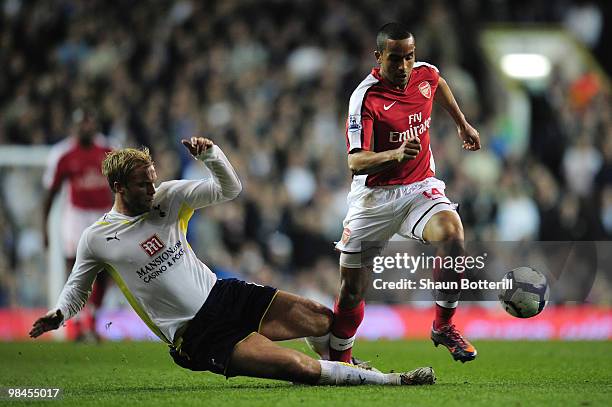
<point x="233" y="310"/>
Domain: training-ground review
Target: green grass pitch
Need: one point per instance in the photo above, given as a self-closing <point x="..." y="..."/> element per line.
<point x="134" y="373"/>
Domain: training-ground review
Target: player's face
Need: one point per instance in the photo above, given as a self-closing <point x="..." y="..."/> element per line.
<point x="140" y="189"/>
<point x="397" y="60"/>
<point x="87" y="128"/>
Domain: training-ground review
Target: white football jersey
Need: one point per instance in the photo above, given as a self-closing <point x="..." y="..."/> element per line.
<point x="148" y="255"/>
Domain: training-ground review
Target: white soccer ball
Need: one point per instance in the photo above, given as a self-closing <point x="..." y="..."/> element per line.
<point x="528" y="295"/>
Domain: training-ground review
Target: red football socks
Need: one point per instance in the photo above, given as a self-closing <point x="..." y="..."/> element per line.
<point x="444" y="316"/>
<point x="346" y="322"/>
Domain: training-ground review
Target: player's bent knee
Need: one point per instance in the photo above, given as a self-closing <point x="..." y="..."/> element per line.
<point x="444" y="227"/>
<point x="319" y="318"/>
<point x="324" y="317"/>
<point x="451" y="232"/>
<point x="316" y="317"/>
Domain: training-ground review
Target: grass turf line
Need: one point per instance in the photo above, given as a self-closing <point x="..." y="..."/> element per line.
<point x="142" y="373"/>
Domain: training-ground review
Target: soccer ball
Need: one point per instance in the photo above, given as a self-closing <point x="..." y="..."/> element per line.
<point x="528" y="295"/>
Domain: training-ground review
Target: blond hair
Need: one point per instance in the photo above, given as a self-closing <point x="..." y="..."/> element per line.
<point x="118" y="164"/>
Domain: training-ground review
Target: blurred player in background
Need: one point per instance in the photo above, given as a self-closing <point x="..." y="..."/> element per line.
<point x="77" y="161"/>
<point x="394" y="189"/>
<point x="225" y="326"/>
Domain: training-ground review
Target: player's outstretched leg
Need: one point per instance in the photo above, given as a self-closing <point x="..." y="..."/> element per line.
<point x="445" y="228"/>
<point x="257" y="356"/>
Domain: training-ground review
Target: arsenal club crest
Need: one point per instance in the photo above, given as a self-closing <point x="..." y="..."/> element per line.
<point x="425" y="89"/>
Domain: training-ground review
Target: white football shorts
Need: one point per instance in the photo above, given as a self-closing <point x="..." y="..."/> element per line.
<point x="74" y="222"/>
<point x="376" y="214"/>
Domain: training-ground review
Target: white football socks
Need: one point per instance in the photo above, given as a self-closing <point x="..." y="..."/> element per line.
<point x="344" y="374"/>
<point x="319" y="345"/>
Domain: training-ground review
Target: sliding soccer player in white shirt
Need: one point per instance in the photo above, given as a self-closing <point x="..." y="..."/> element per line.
<point x="225" y="326"/>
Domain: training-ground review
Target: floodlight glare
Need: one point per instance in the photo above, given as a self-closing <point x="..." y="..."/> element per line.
<point x="525" y="66"/>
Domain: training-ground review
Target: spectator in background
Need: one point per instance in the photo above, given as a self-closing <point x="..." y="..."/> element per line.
<point x="581" y="163"/>
<point x="585" y="20"/>
<point x="517" y="215"/>
<point x="77" y="161"/>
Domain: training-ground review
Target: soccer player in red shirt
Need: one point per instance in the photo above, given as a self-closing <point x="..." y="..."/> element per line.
<point x="77" y="160"/>
<point x="394" y="189"/>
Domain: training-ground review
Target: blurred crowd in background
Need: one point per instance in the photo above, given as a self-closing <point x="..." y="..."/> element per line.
<point x="269" y="81"/>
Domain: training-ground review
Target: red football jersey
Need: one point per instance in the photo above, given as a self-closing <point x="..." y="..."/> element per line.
<point x="81" y="168"/>
<point x="381" y="117"/>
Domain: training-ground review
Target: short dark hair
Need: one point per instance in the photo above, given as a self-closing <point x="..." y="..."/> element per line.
<point x="391" y="31"/>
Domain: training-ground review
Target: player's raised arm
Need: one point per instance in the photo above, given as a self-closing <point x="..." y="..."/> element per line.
<point x="75" y="293"/>
<point x="468" y="134"/>
<point x="225" y="184"/>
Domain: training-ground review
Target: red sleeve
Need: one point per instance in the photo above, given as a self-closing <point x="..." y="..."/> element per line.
<point x="367" y="133"/>
<point x="59" y="174"/>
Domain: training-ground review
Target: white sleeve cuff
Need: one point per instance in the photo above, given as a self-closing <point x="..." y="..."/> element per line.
<point x="210" y="154"/>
